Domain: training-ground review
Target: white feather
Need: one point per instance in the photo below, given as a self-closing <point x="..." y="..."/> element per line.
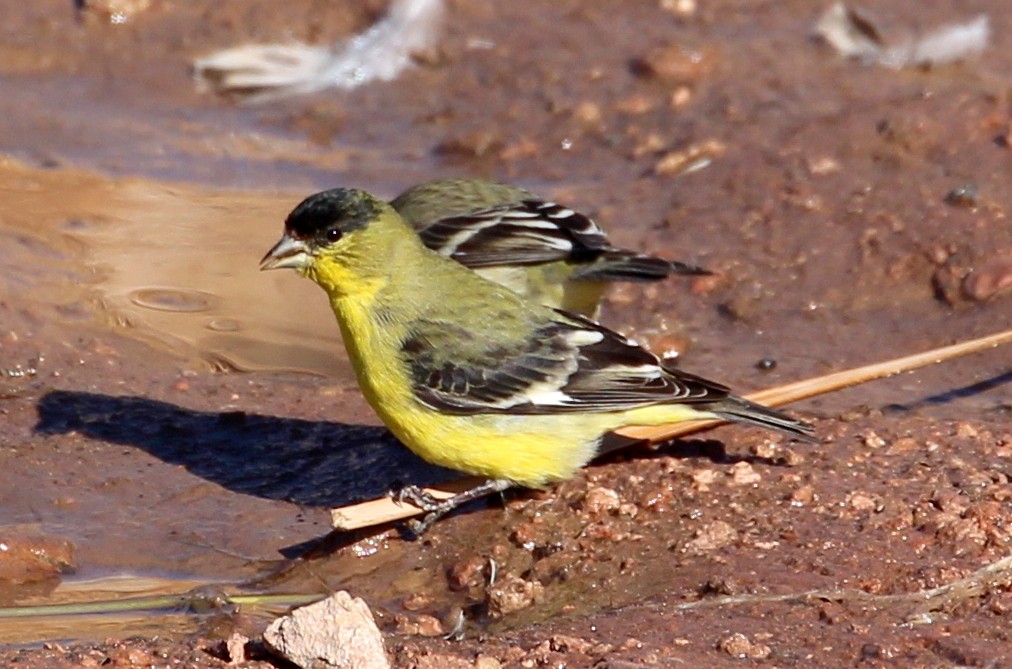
<point x="381" y="53"/>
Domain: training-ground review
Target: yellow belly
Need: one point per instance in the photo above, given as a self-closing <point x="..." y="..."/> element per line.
<point x="530" y="450"/>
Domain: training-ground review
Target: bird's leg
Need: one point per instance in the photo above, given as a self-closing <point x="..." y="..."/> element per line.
<point x="437" y="508"/>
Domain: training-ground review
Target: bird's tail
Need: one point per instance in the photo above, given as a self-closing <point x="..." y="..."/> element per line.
<point x="740" y="410"/>
<point x="616" y="265"/>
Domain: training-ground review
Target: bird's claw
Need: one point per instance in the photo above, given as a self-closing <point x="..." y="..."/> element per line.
<point x="418" y="527"/>
<point x="417" y="496"/>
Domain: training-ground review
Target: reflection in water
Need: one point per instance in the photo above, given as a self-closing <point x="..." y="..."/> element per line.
<point x="171" y="299"/>
<point x="122" y="605"/>
<point x="172" y="265"/>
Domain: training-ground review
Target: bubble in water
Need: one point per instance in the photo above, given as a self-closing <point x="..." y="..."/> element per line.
<point x="172" y="299"/>
<point x="224" y="325"/>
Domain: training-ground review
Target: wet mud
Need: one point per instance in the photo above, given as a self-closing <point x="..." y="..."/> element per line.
<point x="174" y="422"/>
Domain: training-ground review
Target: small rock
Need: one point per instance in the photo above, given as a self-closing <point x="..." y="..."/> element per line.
<point x="116" y="11"/>
<point x="681" y="8"/>
<point x="1001" y="603"/>
<point x="511" y="594"/>
<point x="871" y="440"/>
<point x="600" y="501"/>
<point x="965" y="195"/>
<point x="602" y="531"/>
<point x="903" y="445"/>
<point x="628" y="510"/>
<point x="634" y="104"/>
<point x="740" y="646"/>
<point x="677" y="64"/>
<point x="791" y="458"/>
<point x="487" y="662"/>
<point x="680" y="97"/>
<point x="690" y="158"/>
<point x="416" y="602"/>
<point x="441" y="660"/>
<point x="966" y="430"/>
<point x="803" y="495"/>
<point x="702" y="479"/>
<point x="645" y="145"/>
<point x="742" y="473"/>
<point x="862" y="501"/>
<point x="823" y="166"/>
<point x="419" y="625"/>
<point x="236" y="648"/>
<point x="570" y="644"/>
<point x="720" y="586"/>
<point x="717" y="534"/>
<point x="588" y="113"/>
<point x="950" y="501"/>
<point x="337" y="632"/>
<point x="467" y="573"/>
<point x="513" y="654"/>
<point x="989" y="278"/>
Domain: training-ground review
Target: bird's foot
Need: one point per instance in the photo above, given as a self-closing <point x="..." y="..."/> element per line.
<point x="437" y="508"/>
<point x="417" y="496"/>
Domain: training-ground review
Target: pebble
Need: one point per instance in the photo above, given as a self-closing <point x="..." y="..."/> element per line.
<point x="338" y="632"/>
<point x="117" y="11"/>
<point x="689" y="158"/>
<point x="742" y="473"/>
<point x="717" y="534"/>
<point x="677" y="64"/>
<point x="739" y="645"/>
<point x="600" y="501"/>
<point x="512" y="594"/>
<point x="990" y="278"/>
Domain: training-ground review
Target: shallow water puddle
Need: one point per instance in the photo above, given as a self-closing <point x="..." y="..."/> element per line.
<point x="67" y="603"/>
<point x="169" y="264"/>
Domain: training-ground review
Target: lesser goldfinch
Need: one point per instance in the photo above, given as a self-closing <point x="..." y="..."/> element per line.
<point x="468" y="374"/>
<point x="542" y="250"/>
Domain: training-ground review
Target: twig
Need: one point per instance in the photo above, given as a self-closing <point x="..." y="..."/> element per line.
<point x="998" y="574"/>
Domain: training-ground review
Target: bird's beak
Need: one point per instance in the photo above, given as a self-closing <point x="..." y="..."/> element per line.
<point x="288" y="252"/>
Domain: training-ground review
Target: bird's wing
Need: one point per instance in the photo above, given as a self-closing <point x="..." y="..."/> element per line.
<point x="567" y="365"/>
<point x="525" y="232"/>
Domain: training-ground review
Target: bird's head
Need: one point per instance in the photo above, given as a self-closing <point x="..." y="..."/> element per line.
<point x="329" y="230"/>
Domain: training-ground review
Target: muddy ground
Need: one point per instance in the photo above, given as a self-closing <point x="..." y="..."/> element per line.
<point x="171" y="419"/>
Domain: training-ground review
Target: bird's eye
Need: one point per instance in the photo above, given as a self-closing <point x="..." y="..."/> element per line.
<point x="333" y="235"/>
